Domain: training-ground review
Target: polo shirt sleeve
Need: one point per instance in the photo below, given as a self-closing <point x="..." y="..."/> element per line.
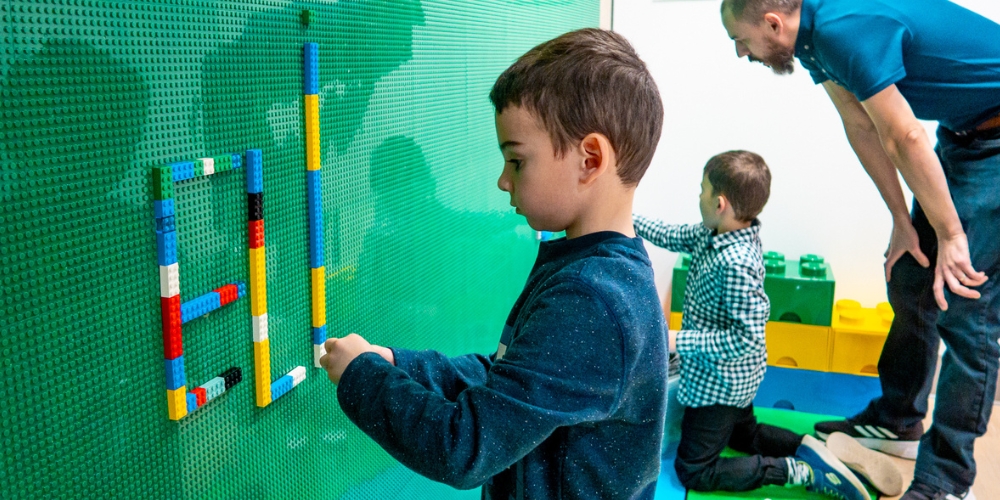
<point x="864" y="53"/>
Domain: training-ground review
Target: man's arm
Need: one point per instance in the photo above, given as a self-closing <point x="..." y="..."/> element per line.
<point x="906" y="144"/>
<point x="864" y="139"/>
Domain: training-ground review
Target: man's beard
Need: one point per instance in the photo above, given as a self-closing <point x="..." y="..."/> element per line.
<point x="781" y="60"/>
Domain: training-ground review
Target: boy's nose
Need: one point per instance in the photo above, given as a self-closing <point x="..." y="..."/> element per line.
<point x="504" y="181"/>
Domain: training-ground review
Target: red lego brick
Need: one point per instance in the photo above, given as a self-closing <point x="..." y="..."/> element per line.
<point x="227" y="294"/>
<point x="170" y="309"/>
<point x="256" y="233"/>
<point x="199" y="392"/>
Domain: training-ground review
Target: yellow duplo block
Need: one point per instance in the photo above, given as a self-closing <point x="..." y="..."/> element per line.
<point x="858" y="336"/>
<point x="318" y="297"/>
<point x="262" y="371"/>
<point x="794" y="345"/>
<point x="177" y="403"/>
<point x="675" y="320"/>
<point x="258" y="282"/>
<point x="312" y="131"/>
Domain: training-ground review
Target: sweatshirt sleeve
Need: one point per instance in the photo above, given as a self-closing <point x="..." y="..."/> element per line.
<point x="439" y="373"/>
<point x="564" y="366"/>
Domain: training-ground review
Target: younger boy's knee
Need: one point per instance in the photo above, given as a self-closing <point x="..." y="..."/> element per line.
<point x="693" y="477"/>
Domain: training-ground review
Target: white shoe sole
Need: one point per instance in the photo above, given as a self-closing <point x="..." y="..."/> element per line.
<point x="820" y="448"/>
<point x="901" y="449"/>
<point x="874" y="466"/>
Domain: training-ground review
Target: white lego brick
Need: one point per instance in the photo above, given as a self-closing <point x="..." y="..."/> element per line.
<point x="209" y="164"/>
<point x="298" y="375"/>
<point x="318" y="351"/>
<point x="259" y="328"/>
<point x="170" y="281"/>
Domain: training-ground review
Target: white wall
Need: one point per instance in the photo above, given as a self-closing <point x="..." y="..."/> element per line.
<point x="821" y="199"/>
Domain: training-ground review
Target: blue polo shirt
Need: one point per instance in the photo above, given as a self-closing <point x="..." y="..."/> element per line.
<point x="943" y="58"/>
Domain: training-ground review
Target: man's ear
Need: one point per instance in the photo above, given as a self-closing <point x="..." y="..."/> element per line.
<point x="775" y="22"/>
<point x="598" y="157"/>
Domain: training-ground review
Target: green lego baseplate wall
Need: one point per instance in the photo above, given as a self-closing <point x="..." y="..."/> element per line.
<point x="421" y="249"/>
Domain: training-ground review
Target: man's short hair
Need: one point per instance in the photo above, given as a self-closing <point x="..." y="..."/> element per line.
<point x="743" y="178"/>
<point x="588" y="81"/>
<point x="750" y="10"/>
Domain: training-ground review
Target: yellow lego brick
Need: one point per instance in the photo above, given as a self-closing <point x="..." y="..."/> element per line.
<point x="177" y="403"/>
<point x="258" y="282"/>
<point x="318" y="297"/>
<point x="675" y="320"/>
<point x="794" y="345"/>
<point x="858" y="336"/>
<point x="312" y="132"/>
<point x="262" y="371"/>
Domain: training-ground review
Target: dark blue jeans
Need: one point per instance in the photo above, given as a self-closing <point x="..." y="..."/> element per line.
<point x="969" y="329"/>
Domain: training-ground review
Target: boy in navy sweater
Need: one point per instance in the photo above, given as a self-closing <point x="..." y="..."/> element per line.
<point x="571" y="405"/>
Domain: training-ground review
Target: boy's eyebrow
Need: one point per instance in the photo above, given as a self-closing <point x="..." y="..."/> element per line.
<point x="506" y="144"/>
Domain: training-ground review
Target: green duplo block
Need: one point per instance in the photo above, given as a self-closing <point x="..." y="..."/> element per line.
<point x="163" y="183"/>
<point x="678" y="283"/>
<point x="801" y="291"/>
<point x="199" y="168"/>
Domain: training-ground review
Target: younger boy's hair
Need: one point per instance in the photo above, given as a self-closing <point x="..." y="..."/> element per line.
<point x="588" y="81"/>
<point x="743" y="178"/>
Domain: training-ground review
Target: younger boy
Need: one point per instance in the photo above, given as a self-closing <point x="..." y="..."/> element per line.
<point x="721" y="345"/>
<point x="571" y="405"/>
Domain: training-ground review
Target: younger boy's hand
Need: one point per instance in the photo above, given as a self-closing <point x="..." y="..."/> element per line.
<point x="340" y="353"/>
<point x="672" y="340"/>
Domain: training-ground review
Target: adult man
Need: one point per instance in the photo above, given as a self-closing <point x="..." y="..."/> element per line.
<point x="886" y="63"/>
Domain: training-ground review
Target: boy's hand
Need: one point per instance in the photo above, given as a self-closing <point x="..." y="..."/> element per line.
<point x="340" y="353"/>
<point x="672" y="340"/>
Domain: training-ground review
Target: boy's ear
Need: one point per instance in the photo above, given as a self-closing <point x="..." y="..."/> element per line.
<point x="721" y="204"/>
<point x="598" y="157"/>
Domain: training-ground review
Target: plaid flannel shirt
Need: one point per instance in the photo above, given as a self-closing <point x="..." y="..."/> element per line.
<point x="721" y="341"/>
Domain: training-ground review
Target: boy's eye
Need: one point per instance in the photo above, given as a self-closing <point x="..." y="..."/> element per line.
<point x="516" y="163"/>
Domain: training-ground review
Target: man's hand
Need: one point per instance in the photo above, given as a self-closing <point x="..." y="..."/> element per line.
<point x="955" y="268"/>
<point x="340" y="353"/>
<point x="904" y="239"/>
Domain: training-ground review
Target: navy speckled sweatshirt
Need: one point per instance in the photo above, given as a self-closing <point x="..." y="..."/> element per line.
<point x="571" y="405"/>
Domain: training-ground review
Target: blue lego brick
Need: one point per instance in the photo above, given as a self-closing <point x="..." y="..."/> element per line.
<point x="319" y="335"/>
<point x="166" y="224"/>
<point x="255" y="172"/>
<point x="214" y="388"/>
<point x="810" y="391"/>
<point x="183" y="170"/>
<point x="237" y="161"/>
<point x="166" y="247"/>
<point x="241" y="288"/>
<point x="192" y="402"/>
<point x="311" y="69"/>
<point x="545" y="235"/>
<point x="200" y="306"/>
<point x="163" y="208"/>
<point x="314" y="196"/>
<point x="281" y="386"/>
<point x="175" y="372"/>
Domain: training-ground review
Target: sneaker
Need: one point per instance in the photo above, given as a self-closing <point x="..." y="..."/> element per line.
<point x="873" y="466"/>
<point x="918" y="491"/>
<point x="829" y="475"/>
<point x="902" y="444"/>
<point x="673" y="364"/>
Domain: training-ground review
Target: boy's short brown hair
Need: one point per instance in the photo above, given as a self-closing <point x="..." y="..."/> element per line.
<point x="743" y="178"/>
<point x="587" y="81"/>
